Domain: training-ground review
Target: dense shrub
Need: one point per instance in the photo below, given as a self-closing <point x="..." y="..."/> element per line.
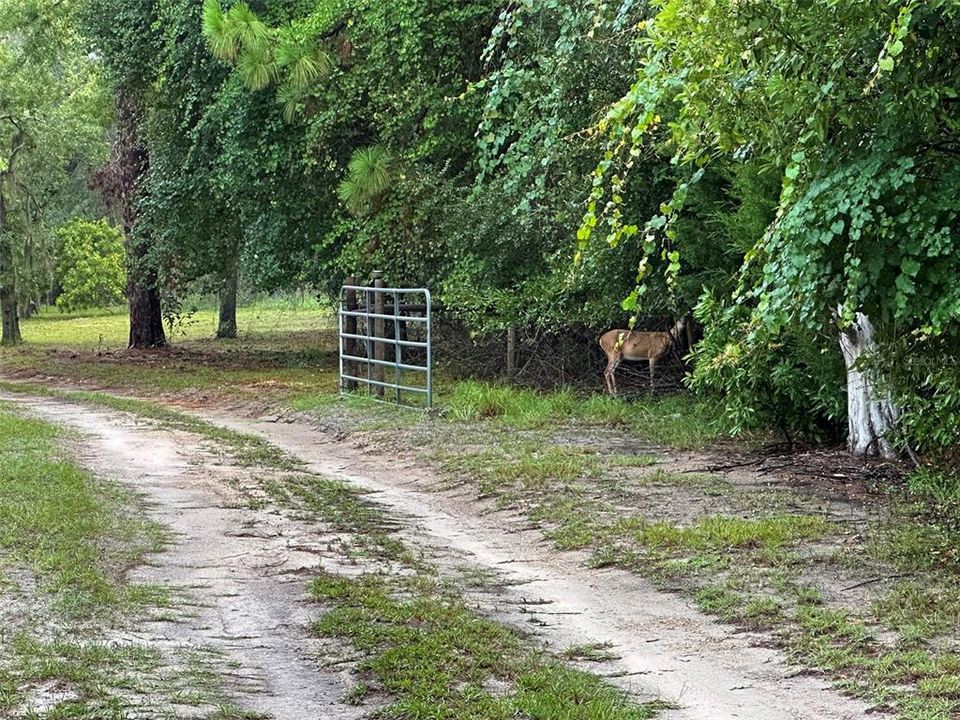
<point x="91" y="265"/>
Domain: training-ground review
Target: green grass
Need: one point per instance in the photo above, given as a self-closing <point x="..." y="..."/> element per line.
<point x="721" y="533"/>
<point x="750" y="563"/>
<point x="591" y="652"/>
<point x="676" y="420"/>
<point x="519" y="466"/>
<point x="438" y="660"/>
<point x="246" y="449"/>
<point x="76" y="535"/>
<point x="433" y="655"/>
<point x="67" y="540"/>
<point x="920" y="614"/>
<point x="285" y="349"/>
<point x="746" y="562"/>
<point x="286" y="355"/>
<point x="109" y="328"/>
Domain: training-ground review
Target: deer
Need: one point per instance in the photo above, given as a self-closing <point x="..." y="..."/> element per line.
<point x="620" y="345"/>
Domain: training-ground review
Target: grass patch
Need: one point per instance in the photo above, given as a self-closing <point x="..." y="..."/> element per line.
<point x="523" y="466"/>
<point x="109" y="328"/>
<point x="286" y="349"/>
<point x="591" y="652"/>
<point x="66" y="541"/>
<point x="719" y="533"/>
<point x="247" y="449"/>
<point x="676" y="420"/>
<point x="440" y="661"/>
<point x="920" y="613"/>
<point x="74" y="534"/>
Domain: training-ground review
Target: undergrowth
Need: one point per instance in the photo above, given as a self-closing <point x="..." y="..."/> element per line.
<point x="677" y="420"/>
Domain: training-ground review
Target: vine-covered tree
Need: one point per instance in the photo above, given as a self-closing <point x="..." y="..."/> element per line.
<point x="125" y="36"/>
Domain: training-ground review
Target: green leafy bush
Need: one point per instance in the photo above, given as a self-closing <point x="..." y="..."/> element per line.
<point x="91" y="265"/>
<point x="785" y="379"/>
<point x="922" y="371"/>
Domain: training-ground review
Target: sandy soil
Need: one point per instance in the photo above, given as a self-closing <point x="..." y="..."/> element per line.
<point x="243" y="571"/>
<point x="248" y="569"/>
<point x="668" y="649"/>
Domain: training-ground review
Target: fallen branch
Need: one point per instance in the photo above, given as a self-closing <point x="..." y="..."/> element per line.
<point x="871" y="581"/>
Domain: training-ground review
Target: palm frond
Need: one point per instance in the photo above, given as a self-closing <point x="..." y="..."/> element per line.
<point x="248" y="29"/>
<point x="304" y="60"/>
<point x="290" y="97"/>
<point x="349" y="193"/>
<point x="371" y="167"/>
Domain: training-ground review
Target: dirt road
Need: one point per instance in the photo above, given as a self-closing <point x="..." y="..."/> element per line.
<point x="248" y="568"/>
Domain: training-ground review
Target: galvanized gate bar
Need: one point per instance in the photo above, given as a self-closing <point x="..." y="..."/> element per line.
<point x="369" y="338"/>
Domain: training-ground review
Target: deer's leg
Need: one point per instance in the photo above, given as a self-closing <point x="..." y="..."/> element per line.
<point x="610" y="375"/>
<point x="653" y="367"/>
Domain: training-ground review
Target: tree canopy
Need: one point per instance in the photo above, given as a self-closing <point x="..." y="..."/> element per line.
<point x="52" y="112"/>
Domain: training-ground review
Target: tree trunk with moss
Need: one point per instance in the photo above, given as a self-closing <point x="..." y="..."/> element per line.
<point x="8" y="306"/>
<point x="8" y="273"/>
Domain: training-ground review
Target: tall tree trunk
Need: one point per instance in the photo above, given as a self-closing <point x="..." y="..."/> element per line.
<point x="872" y="418"/>
<point x="143" y="295"/>
<point x="118" y="182"/>
<point x="8" y="281"/>
<point x="227" y="327"/>
<point x="11" y="319"/>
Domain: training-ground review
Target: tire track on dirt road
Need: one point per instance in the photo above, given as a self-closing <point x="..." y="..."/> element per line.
<point x="257" y="611"/>
<point x="242" y="570"/>
<point x="667" y="648"/>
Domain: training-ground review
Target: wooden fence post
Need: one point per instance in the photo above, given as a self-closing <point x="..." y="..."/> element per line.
<point x="379" y="331"/>
<point x="511" y="351"/>
<point x="350" y="328"/>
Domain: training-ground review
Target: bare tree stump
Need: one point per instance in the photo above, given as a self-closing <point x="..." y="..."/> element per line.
<point x="871" y="418"/>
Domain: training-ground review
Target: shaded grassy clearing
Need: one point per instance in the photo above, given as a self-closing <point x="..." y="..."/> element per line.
<point x="426" y="655"/>
<point x="259" y="324"/>
<point x="67" y="540"/>
<point x="286" y="359"/>
<point x="285" y="349"/>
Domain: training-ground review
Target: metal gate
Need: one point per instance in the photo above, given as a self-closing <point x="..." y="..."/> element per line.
<point x="373" y="319"/>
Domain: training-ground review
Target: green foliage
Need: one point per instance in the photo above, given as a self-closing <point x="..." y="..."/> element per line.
<point x="264" y="55"/>
<point x="553" y="67"/>
<point x="91" y="265"/>
<point x="785" y="379"/>
<point x="52" y="113"/>
<point x="369" y="176"/>
<point x="852" y="106"/>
